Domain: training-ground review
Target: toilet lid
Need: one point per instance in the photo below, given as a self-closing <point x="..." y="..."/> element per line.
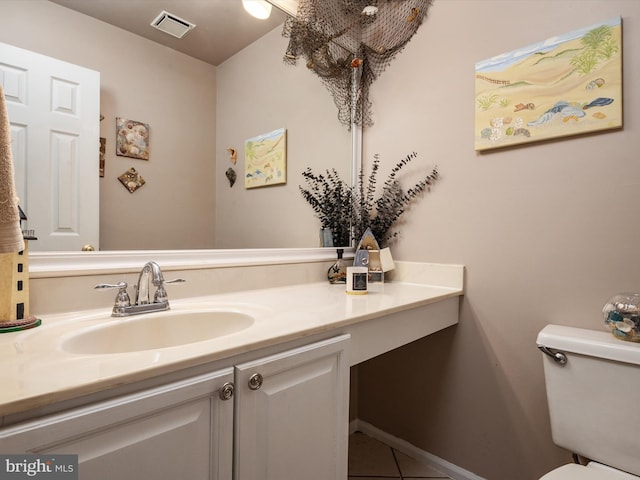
<point x="579" y="472"/>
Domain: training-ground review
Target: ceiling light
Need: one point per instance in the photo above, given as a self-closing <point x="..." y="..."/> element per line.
<point x="257" y="8"/>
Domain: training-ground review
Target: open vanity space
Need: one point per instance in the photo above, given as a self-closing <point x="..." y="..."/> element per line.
<point x="266" y="395"/>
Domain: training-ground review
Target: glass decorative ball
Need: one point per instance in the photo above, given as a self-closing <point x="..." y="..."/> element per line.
<point x="622" y="315"/>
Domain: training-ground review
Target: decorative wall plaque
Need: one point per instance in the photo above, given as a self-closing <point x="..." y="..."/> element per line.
<point x="131" y="180"/>
<point x="132" y="139"/>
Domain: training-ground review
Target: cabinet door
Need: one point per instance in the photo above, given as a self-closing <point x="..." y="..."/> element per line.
<point x="181" y="430"/>
<point x="292" y="414"/>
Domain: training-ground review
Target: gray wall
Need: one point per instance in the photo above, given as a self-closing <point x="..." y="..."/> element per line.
<point x="258" y="93"/>
<point x="547" y="233"/>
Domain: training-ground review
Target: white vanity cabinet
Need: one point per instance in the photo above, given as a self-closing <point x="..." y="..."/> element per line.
<point x="292" y="414"/>
<point x="290" y="411"/>
<point x="180" y="430"/>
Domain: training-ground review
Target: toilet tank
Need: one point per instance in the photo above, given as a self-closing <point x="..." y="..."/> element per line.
<point x="594" y="398"/>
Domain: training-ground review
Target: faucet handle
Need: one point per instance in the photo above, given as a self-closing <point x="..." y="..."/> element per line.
<point x="120" y="285"/>
<point x="122" y="298"/>
<point x="161" y="293"/>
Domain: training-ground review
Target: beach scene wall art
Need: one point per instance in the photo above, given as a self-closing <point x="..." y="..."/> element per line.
<point x="566" y="85"/>
<point x="265" y="159"/>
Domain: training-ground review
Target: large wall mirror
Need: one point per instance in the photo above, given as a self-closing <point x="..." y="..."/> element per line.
<point x="196" y="111"/>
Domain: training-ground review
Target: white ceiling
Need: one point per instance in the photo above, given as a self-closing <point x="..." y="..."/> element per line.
<point x="223" y="28"/>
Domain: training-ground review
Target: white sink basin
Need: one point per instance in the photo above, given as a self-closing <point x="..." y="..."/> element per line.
<point x="155" y="331"/>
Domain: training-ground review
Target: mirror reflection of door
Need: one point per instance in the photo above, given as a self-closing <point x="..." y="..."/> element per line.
<point x="54" y="112"/>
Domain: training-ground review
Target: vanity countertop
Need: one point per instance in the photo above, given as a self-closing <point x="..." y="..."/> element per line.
<point x="36" y="371"/>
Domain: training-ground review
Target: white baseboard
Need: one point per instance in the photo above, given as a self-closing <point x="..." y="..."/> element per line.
<point x="405" y="447"/>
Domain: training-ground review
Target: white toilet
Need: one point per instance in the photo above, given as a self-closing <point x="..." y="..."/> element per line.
<point x="593" y="390"/>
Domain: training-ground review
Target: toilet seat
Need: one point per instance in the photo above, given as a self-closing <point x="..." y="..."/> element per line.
<point x="593" y="471"/>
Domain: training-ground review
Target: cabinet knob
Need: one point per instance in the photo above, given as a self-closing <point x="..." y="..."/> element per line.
<point x="255" y="381"/>
<point x="226" y="391"/>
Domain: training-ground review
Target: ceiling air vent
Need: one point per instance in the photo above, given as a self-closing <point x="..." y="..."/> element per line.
<point x="169" y="23"/>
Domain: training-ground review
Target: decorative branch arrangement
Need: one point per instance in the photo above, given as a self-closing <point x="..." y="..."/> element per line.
<point x="381" y="213"/>
<point x="354" y="209"/>
<point x="331" y="199"/>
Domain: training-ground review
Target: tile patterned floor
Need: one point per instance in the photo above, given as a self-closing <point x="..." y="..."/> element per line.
<point x="370" y="459"/>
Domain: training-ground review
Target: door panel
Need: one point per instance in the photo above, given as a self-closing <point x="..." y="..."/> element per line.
<point x="54" y="112"/>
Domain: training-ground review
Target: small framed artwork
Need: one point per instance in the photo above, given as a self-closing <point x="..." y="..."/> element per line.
<point x="132" y="139"/>
<point x="566" y="85"/>
<point x="103" y="147"/>
<point x="265" y="159"/>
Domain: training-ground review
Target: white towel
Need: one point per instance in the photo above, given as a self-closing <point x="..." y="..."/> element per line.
<point x="11" y="239"/>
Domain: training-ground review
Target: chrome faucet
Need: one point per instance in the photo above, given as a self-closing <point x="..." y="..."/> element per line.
<point x="150" y="274"/>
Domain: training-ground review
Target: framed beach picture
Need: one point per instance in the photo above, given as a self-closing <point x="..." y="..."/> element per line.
<point x="265" y="159"/>
<point x="566" y="85"/>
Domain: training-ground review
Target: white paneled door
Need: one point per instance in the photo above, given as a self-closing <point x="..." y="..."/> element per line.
<point x="54" y="112"/>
